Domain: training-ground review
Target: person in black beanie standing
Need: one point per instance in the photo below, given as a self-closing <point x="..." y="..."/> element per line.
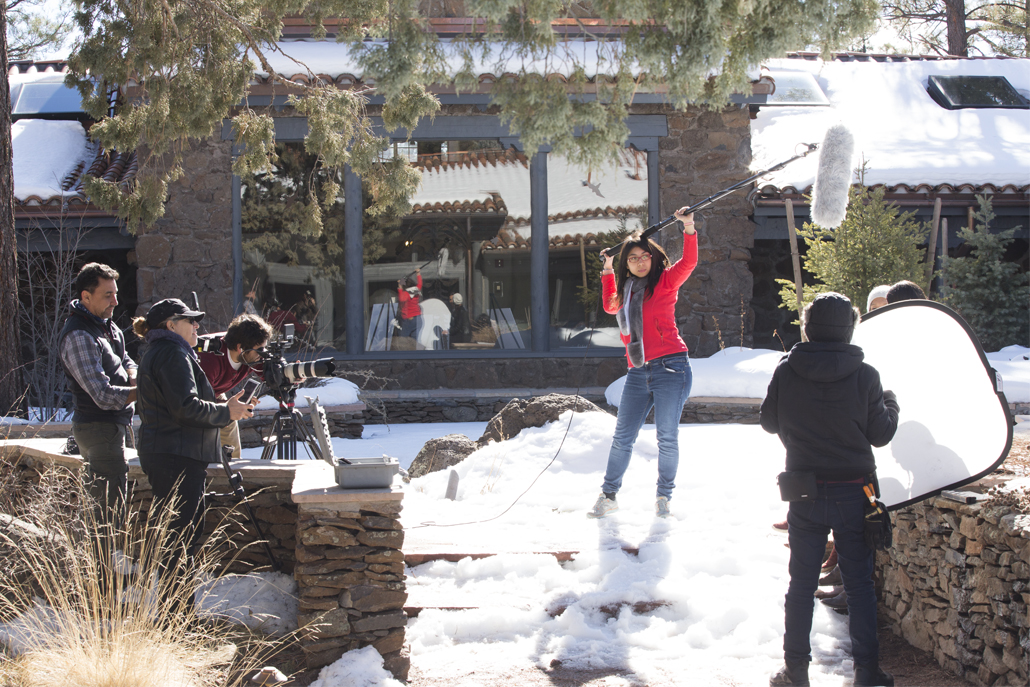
<point x="829" y="410"/>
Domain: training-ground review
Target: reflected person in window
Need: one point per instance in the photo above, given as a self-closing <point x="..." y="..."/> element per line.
<point x="409" y="294"/>
<point x="642" y="293"/>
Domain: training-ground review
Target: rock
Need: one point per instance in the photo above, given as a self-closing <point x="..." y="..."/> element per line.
<point x="521" y="413"/>
<point x="372" y="599"/>
<point x="442" y="453"/>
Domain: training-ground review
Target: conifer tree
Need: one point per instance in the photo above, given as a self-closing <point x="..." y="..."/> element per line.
<point x="184" y="65"/>
<point x="990" y="294"/>
<point x="874" y="245"/>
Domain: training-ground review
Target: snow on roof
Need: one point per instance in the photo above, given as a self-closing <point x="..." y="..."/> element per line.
<point x="329" y="58"/>
<point x="903" y="135"/>
<point x="574" y="193"/>
<point x="45" y="152"/>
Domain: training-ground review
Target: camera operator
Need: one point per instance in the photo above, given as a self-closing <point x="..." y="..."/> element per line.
<point x="179" y="423"/>
<point x="231" y="362"/>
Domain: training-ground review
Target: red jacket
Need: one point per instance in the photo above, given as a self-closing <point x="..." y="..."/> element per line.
<point x="661" y="335"/>
<point x="409" y="306"/>
<point x="219" y="371"/>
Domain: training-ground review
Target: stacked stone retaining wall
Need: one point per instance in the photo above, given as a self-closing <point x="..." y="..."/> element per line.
<point x="350" y="570"/>
<point x="956" y="583"/>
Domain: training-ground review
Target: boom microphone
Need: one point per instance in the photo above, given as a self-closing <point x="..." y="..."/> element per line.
<point x="833" y="177"/>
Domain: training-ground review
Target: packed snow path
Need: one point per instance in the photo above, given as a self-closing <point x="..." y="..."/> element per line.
<point x="701" y="602"/>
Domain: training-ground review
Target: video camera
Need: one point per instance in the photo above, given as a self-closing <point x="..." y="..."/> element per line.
<point x="210" y="343"/>
<point x="282" y="378"/>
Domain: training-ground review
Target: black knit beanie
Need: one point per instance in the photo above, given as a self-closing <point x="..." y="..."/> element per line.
<point x="830" y="318"/>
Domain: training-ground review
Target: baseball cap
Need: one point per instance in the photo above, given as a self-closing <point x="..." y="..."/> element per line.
<point x="170" y="307"/>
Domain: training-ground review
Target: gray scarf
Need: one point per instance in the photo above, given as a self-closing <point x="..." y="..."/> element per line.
<point x="631" y="319"/>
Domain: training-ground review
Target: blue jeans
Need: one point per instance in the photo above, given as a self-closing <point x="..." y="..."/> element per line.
<point x="840" y="508"/>
<point x="664" y="384"/>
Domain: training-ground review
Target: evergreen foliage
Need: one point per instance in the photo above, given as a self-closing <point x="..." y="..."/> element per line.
<point x="184" y="65"/>
<point x="874" y="245"/>
<point x="33" y="27"/>
<point x="990" y="294"/>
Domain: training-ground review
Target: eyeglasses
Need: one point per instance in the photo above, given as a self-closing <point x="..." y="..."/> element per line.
<point x="643" y="257"/>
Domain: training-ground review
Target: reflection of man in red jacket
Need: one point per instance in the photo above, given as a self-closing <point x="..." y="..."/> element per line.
<point x="409" y="293"/>
<point x="240" y="355"/>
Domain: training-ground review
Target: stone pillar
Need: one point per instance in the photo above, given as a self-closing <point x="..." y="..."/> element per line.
<point x="350" y="569"/>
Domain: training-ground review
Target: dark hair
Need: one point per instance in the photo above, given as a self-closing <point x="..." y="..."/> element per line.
<point x="830" y="318"/>
<point x="89" y="277"/>
<point x="140" y="326"/>
<point x="250" y="331"/>
<point x="659" y="261"/>
<point x="905" y="291"/>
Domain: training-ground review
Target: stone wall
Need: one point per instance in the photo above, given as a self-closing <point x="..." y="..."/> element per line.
<point x="267" y="487"/>
<point x="704" y="153"/>
<point x="957" y="584"/>
<point x="190" y="248"/>
<point x="350" y="570"/>
<point x="482" y="373"/>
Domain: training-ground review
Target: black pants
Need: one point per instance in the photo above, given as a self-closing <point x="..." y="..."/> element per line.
<point x="178" y="482"/>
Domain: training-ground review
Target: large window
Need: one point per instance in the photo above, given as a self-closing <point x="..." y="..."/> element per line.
<point x="292" y="269"/>
<point x="454" y="273"/>
<point x="589" y="209"/>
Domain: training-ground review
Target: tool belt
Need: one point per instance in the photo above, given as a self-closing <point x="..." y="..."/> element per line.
<point x="879" y="530"/>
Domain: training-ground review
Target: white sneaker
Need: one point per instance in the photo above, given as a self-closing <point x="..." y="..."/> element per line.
<point x="604" y="506"/>
<point x="661" y="507"/>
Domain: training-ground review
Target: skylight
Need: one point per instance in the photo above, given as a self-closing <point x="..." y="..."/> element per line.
<point x="956" y="92"/>
<point x="44" y="98"/>
<point x="795" y="88"/>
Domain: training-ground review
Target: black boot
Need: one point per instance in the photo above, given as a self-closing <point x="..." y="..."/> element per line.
<point x="870" y="675"/>
<point x="791" y="675"/>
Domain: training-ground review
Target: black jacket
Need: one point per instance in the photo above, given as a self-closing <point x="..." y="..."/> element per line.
<point x="828" y="408"/>
<point x="176" y="405"/>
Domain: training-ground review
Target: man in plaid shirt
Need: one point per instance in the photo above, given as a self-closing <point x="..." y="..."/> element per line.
<point x="102" y="379"/>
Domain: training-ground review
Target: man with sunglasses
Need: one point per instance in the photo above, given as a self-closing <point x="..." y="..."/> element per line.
<point x="240" y="354"/>
<point x="102" y="380"/>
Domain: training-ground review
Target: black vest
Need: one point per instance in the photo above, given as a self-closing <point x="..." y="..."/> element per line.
<point x="111" y="346"/>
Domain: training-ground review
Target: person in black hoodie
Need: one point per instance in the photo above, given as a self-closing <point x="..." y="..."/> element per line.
<point x="179" y="422"/>
<point x="829" y="410"/>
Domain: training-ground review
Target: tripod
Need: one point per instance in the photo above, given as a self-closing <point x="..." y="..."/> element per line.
<point x="287" y="426"/>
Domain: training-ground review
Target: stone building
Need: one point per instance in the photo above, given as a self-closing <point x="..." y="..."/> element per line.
<point x="516" y="237"/>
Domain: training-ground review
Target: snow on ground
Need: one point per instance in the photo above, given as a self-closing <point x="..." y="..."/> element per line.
<point x="261" y="601"/>
<point x="708" y="584"/>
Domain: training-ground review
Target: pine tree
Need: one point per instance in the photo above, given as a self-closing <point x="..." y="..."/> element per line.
<point x="990" y="294"/>
<point x="874" y="245"/>
<point x="185" y="65"/>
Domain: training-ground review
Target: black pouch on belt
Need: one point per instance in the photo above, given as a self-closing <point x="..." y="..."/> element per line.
<point x="796" y="485"/>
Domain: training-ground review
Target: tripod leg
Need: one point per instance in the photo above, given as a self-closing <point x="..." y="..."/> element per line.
<point x="273" y="438"/>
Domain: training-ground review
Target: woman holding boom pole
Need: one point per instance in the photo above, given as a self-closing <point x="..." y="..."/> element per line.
<point x="642" y="293"/>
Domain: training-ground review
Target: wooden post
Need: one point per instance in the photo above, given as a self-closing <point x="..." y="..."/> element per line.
<point x="795" y="258"/>
<point x="583" y="260"/>
<point x="944" y="254"/>
<point x="969" y="218"/>
<point x="931" y="247"/>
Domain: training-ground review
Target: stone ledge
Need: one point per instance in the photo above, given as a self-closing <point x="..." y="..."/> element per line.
<point x="315" y="484"/>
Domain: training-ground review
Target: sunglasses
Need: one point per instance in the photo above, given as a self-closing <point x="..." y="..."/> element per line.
<point x="192" y="320"/>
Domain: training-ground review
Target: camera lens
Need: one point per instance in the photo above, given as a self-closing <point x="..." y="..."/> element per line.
<point x="323" y="367"/>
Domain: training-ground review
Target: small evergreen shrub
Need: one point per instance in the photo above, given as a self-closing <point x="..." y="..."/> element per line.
<point x="990" y="294"/>
<point x="876" y="244"/>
